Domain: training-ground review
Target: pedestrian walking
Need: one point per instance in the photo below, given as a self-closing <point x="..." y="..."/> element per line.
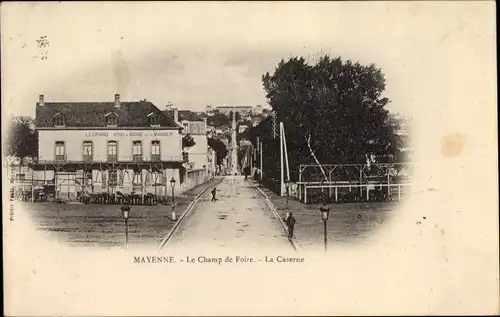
<point x="214" y="192"/>
<point x="290" y="222"/>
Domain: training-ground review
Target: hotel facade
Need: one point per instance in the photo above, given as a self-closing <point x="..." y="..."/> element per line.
<point x="96" y="147"/>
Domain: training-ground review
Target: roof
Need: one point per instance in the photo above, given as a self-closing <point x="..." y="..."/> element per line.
<point x="186" y="115"/>
<point x="93" y="114"/>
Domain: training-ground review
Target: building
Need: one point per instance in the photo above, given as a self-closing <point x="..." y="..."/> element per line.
<point x="242" y="128"/>
<point x="199" y="156"/>
<point x="243" y="110"/>
<point x="97" y="147"/>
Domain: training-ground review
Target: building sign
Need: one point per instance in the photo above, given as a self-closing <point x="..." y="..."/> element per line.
<point x="128" y="133"/>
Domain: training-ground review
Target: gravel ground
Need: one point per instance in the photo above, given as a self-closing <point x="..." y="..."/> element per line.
<point x="349" y="223"/>
<point x="103" y="225"/>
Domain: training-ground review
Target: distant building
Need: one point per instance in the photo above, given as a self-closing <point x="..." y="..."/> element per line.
<point x="256" y="120"/>
<point x="209" y="110"/>
<point x="242" y="128"/>
<point x="243" y="110"/>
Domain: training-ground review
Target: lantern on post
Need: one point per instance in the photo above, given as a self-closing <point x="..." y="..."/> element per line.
<point x="325" y="213"/>
<point x="172" y="184"/>
<point x="125" y="208"/>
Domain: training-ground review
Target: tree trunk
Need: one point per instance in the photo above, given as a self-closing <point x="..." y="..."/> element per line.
<point x="308" y="140"/>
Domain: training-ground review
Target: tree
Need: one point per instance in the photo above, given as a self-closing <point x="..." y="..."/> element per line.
<point x="333" y="111"/>
<point x="220" y="149"/>
<point x="187" y="141"/>
<point x="218" y="120"/>
<point x="22" y="141"/>
<point x="237" y="116"/>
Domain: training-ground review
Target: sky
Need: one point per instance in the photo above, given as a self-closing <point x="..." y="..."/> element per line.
<point x="210" y="53"/>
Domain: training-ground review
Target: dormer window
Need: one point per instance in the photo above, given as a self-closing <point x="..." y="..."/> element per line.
<point x="153" y="120"/>
<point x="111" y="119"/>
<point x="59" y="121"/>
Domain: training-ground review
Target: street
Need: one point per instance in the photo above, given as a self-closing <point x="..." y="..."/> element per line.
<point x="239" y="219"/>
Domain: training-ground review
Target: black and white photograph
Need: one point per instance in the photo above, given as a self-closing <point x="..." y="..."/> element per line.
<point x="249" y="158"/>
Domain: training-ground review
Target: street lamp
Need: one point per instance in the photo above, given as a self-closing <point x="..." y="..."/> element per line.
<point x="172" y="183"/>
<point x="325" y="213"/>
<point x="126" y="210"/>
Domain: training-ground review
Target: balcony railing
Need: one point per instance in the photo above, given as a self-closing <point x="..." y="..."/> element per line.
<point x="112" y="158"/>
<point x="137" y="158"/>
<point x="87" y="158"/>
<point x="109" y="159"/>
<point x="60" y="158"/>
<point x="155" y="157"/>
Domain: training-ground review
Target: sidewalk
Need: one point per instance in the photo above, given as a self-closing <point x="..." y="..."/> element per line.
<point x="352" y="223"/>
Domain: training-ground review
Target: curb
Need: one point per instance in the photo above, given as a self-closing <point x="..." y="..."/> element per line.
<point x="167" y="237"/>
<point x="276" y="215"/>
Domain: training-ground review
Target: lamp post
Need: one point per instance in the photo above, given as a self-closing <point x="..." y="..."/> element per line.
<point x="126" y="210"/>
<point x="172" y="183"/>
<point x="325" y="212"/>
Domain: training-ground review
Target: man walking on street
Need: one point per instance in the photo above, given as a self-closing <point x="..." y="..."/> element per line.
<point x="290" y="222"/>
<point x="214" y="191"/>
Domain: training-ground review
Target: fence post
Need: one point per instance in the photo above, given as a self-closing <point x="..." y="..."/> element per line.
<point x="336" y="193"/>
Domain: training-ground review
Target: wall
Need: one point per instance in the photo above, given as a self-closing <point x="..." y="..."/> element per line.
<point x="170" y="143"/>
<point x="195" y="178"/>
<point x="198" y="154"/>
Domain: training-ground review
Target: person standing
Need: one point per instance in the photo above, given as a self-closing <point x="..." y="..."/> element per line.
<point x="214" y="192"/>
<point x="290" y="222"/>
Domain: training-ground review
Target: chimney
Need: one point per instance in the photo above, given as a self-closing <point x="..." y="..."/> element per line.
<point x="117" y="100"/>
<point x="176" y="115"/>
<point x="41" y="100"/>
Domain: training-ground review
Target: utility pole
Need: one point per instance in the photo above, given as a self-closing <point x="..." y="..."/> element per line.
<point x="282" y="171"/>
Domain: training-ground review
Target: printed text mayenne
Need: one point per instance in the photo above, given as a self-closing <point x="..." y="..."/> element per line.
<point x="217" y="260"/>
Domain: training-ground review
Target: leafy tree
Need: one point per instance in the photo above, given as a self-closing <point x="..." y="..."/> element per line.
<point x="237" y="116"/>
<point x="22" y="141"/>
<point x="219" y="120"/>
<point x="220" y="149"/>
<point x="187" y="141"/>
<point x="333" y="111"/>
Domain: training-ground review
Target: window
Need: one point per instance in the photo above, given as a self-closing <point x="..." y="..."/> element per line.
<point x="186" y="127"/>
<point x="112" y="151"/>
<point x="59" y="120"/>
<point x="158" y="179"/>
<point x="155" y="151"/>
<point x="87" y="151"/>
<point x="137" y="178"/>
<point x="153" y="120"/>
<point x="137" y="151"/>
<point x="113" y="177"/>
<point x="111" y="120"/>
<point x="60" y="151"/>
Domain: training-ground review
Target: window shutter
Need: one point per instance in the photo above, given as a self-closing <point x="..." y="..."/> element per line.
<point x="104" y="182"/>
